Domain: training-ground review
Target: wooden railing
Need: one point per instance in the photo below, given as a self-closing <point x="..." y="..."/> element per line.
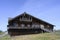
<point x="47" y="30"/>
<point x="11" y="27"/>
<point x="25" y="19"/>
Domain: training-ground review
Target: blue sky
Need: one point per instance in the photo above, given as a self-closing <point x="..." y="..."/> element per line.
<point x="47" y="10"/>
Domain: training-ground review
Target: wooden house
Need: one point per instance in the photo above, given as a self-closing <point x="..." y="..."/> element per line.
<point x="27" y="24"/>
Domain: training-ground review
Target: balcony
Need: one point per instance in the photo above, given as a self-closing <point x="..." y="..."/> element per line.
<point x="11" y="27"/>
<point x="26" y="19"/>
<point x="47" y="30"/>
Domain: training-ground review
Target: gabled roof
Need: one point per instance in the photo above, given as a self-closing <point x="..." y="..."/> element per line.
<point x="31" y="16"/>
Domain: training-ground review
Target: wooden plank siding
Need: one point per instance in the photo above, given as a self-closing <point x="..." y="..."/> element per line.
<point x="25" y="23"/>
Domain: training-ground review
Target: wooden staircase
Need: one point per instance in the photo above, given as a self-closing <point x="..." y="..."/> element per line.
<point x="46" y="30"/>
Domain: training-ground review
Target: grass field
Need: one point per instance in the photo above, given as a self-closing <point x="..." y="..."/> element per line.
<point x="1" y="33"/>
<point x="41" y="36"/>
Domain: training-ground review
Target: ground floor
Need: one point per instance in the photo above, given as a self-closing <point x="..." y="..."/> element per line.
<point x="14" y="32"/>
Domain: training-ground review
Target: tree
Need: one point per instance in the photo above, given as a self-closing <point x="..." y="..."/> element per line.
<point x="0" y="31"/>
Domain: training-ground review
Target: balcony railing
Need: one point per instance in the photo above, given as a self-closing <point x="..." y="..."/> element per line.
<point x="25" y="19"/>
<point x="47" y="30"/>
<point x="22" y="27"/>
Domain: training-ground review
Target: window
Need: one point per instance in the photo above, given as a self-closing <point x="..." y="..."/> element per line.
<point x="48" y="26"/>
<point x="15" y="24"/>
<point x="42" y="26"/>
<point x="28" y="25"/>
<point x="22" y="25"/>
<point x="35" y="25"/>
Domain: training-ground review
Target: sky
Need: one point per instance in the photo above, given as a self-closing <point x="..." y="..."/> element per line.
<point x="47" y="10"/>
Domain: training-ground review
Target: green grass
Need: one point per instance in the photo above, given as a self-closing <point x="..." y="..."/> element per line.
<point x="41" y="36"/>
<point x="44" y="36"/>
<point x="1" y="33"/>
<point x="7" y="37"/>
